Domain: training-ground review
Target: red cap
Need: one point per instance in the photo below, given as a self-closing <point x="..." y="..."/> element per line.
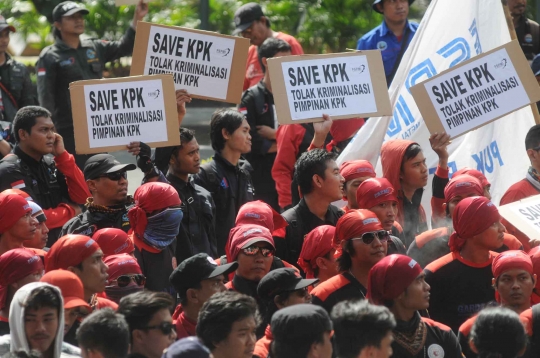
<point x="316" y="244"/>
<point x="472" y="216"/>
<point x="374" y="191"/>
<point x="510" y="260"/>
<point x="69" y="250"/>
<point x="390" y="277"/>
<point x="475" y="173"/>
<point x="150" y="197"/>
<point x="462" y="185"/>
<point x="260" y="213"/>
<point x="18" y="192"/>
<point x="113" y="241"/>
<point x="344" y="129"/>
<point x="244" y="236"/>
<point x="12" y="208"/>
<point x="14" y="265"/>
<point x="71" y="287"/>
<point x="356" y="169"/>
<point x="353" y="224"/>
<point x="122" y="264"/>
<point x="534" y="254"/>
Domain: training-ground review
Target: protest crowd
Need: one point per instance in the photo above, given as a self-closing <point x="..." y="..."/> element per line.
<point x="247" y="254"/>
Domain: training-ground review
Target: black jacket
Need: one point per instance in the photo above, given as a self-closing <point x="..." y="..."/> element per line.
<point x="15" y="77"/>
<point x="230" y="187"/>
<point x="197" y="232"/>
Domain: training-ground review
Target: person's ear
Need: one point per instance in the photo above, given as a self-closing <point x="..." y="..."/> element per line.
<point x="380" y="6"/>
<point x="265" y="62"/>
<point x="225" y="134"/>
<point x="91" y="185"/>
<point x="23" y="135"/>
<point x="138" y="336"/>
<point x="58" y="25"/>
<point x="317" y="180"/>
<point x="535" y="279"/>
<point x="531" y="153"/>
<point x="75" y="270"/>
<point x="191" y="294"/>
<point x="473" y="346"/>
<point x="494" y="283"/>
<point x="320" y="262"/>
<point x="278" y="302"/>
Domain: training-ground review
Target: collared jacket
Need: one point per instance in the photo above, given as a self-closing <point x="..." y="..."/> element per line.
<point x="16" y="78"/>
<point x="230" y="187"/>
<point x="59" y="65"/>
<point x="197" y="232"/>
<point x="341" y="287"/>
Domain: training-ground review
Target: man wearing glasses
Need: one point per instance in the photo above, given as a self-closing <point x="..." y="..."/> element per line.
<point x="252" y="24"/>
<point x="151" y="327"/>
<point x="361" y="242"/>
<point x="526" y="187"/>
<point x="54" y="183"/>
<point x="107" y="208"/>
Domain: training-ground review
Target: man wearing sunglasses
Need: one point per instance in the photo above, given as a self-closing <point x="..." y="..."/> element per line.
<point x="360" y="243"/>
<point x="125" y="276"/>
<point x="151" y="327"/>
<point x="107" y="181"/>
<point x="252" y="24"/>
<point x="398" y="282"/>
<point x="526" y="187"/>
<point x="195" y="280"/>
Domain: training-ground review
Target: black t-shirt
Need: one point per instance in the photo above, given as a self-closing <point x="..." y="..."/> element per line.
<point x="459" y="288"/>
<point x="339" y="288"/>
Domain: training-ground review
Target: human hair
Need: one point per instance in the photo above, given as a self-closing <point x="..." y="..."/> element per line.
<point x="359" y="324"/>
<point x="344" y="261"/>
<point x="186" y="136"/>
<point x="412" y="151"/>
<point x="532" y="139"/>
<point x="218" y="314"/>
<point x="270" y="47"/>
<point x="106" y="332"/>
<point x="23" y="354"/>
<point x="268" y="306"/>
<point x="138" y="308"/>
<point x="224" y="118"/>
<point x="311" y="163"/>
<point x="300" y="348"/>
<point x="43" y="296"/>
<point x="25" y="119"/>
<point x="182" y="293"/>
<point x="498" y="333"/>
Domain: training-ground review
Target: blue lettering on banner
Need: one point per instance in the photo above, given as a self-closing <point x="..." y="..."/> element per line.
<point x="485" y="160"/>
<point x="456" y="45"/>
<point x="452" y="168"/>
<point x="474" y="33"/>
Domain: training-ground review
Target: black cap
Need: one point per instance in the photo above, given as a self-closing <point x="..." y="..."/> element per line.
<point x="189" y="347"/>
<point x="4" y="25"/>
<point x="535" y="65"/>
<point x="68" y="8"/>
<point x="299" y="324"/>
<point x="380" y="1"/>
<point x="199" y="267"/>
<point x="245" y="15"/>
<point x="100" y="164"/>
<point x="282" y="280"/>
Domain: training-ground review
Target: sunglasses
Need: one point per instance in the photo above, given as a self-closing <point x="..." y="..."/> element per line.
<point x="254" y="250"/>
<point x="116" y="176"/>
<point x="124" y="280"/>
<point x="165" y="327"/>
<point x="368" y="237"/>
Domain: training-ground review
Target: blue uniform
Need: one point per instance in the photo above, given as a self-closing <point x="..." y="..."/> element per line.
<point x="383" y="39"/>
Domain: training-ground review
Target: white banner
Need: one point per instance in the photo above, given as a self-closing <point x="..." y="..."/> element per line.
<point x="452" y="31"/>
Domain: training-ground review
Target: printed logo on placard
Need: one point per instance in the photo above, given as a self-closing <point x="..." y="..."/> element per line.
<point x="154" y="94"/>
<point x="382" y="45"/>
<point x="435" y="351"/>
<point x="528" y="38"/>
<point x="223" y="52"/>
<point x="501" y="64"/>
<point x="359" y="68"/>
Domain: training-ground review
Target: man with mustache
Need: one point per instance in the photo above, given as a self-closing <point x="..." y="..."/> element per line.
<point x="527" y="31"/>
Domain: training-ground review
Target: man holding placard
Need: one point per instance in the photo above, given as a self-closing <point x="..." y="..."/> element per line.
<point x="71" y="59"/>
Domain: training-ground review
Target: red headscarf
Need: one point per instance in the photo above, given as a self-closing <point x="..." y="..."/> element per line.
<point x="353" y="224"/>
<point x="472" y="216"/>
<point x="463" y="184"/>
<point x="122" y="264"/>
<point x="245" y="235"/>
<point x="374" y="191"/>
<point x="344" y="129"/>
<point x="16" y="264"/>
<point x="475" y="173"/>
<point x="260" y="213"/>
<point x="390" y="277"/>
<point x="356" y="169"/>
<point x="316" y="244"/>
<point x="113" y="241"/>
<point x="12" y="208"/>
<point x="69" y="250"/>
<point x="150" y="197"/>
<point x="510" y="260"/>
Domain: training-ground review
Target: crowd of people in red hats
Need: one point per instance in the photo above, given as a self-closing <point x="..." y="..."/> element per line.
<point x="247" y="255"/>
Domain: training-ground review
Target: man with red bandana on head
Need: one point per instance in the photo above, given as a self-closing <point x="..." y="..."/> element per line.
<point x="397" y="282"/>
<point x="404" y="165"/>
<point x="317" y="258"/>
<point x="114" y="242"/>
<point x="433" y="244"/>
<point x="40" y="236"/>
<point x="18" y="267"/>
<point x="378" y="196"/>
<point x="16" y="222"/>
<point x="361" y="242"/>
<point x="155" y="220"/>
<point x="354" y="172"/>
<point x="461" y="280"/>
<point x="514" y="280"/>
<point x="125" y="276"/>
